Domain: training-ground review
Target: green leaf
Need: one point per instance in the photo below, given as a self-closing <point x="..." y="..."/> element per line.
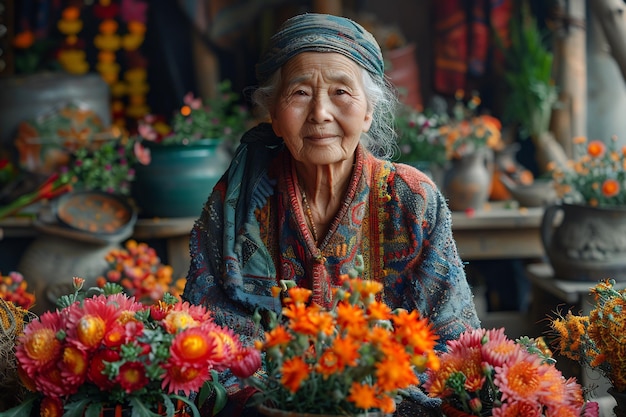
<point x="21" y="410"/>
<point x="77" y="409"/>
<point x="191" y="405"/>
<point x="220" y="398"/>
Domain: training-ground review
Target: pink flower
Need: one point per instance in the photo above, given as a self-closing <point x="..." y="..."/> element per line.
<point x="191" y="101"/>
<point x="591" y="409"/>
<point x="246" y="362"/>
<point x="142" y="153"/>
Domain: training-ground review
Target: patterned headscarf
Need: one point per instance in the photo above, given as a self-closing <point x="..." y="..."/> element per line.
<point x="313" y="32"/>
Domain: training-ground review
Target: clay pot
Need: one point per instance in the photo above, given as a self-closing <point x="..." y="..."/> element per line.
<point x="589" y="244"/>
<point x="467" y="182"/>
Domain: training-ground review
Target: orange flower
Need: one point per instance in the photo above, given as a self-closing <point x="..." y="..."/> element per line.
<point x="596" y="148"/>
<point x="294" y="370"/>
<point x="329" y="363"/>
<point x="352" y="347"/>
<point x="277" y="336"/>
<point x="351" y="318"/>
<point x="347" y="350"/>
<point x="395" y="373"/>
<point x="24" y="40"/>
<point x="378" y="311"/>
<point x="300" y="295"/>
<point x="363" y="395"/>
<point x="610" y="187"/>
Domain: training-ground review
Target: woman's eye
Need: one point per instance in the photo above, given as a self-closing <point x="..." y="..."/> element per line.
<point x="341" y="92"/>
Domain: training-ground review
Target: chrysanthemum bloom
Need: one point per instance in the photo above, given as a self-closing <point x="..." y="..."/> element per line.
<point x="498" y="349"/>
<point x="95" y="372"/>
<point x="522" y="377"/>
<point x="516" y="408"/>
<point x="302" y="318"/>
<point x="245" y="362"/>
<point x="351" y="319"/>
<point x="185" y="315"/>
<point x="610" y="187"/>
<point x="347" y="350"/>
<point x="193" y="345"/>
<point x="276" y="337"/>
<point x="294" y="372"/>
<point x="73" y="367"/>
<point x="378" y="310"/>
<point x="363" y="395"/>
<point x="299" y="295"/>
<point x="226" y="345"/>
<point x="88" y="323"/>
<point x="395" y="372"/>
<point x="51" y="407"/>
<point x="596" y="148"/>
<point x="132" y="376"/>
<point x="184" y="378"/>
<point x="328" y="364"/>
<point x="38" y="347"/>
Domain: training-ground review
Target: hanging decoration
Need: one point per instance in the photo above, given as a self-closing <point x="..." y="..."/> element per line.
<point x="72" y="55"/>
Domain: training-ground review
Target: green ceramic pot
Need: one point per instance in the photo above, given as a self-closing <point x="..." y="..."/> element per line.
<point x="179" y="178"/>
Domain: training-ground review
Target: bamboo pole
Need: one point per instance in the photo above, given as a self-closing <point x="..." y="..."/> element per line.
<point x="612" y="17"/>
<point x="569" y="119"/>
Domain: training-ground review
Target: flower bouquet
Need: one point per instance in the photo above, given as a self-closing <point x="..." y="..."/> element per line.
<point x="216" y="118"/>
<point x="468" y="131"/>
<point x="102" y="349"/>
<point x="14" y="288"/>
<point x="139" y="270"/>
<point x="598" y="339"/>
<point x="418" y="136"/>
<point x="484" y="373"/>
<point x="597" y="177"/>
<point x="352" y="358"/>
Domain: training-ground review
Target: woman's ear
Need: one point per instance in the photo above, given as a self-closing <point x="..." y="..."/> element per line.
<point x="367" y="122"/>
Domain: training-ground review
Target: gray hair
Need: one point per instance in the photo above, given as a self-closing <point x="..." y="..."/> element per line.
<point x="382" y="98"/>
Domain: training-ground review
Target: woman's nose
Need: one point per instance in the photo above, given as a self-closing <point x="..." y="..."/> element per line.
<point x="321" y="109"/>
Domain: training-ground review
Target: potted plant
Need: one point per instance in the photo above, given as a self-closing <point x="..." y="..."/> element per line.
<point x="139" y="270"/>
<point x="470" y="139"/>
<point x="587" y="244"/>
<point x="531" y="91"/>
<point x="180" y="161"/>
<point x="419" y="140"/>
<point x="597" y="339"/>
<point x="484" y="373"/>
<point x="351" y="359"/>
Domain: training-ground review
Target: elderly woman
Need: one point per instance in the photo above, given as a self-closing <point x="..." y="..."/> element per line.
<point x="311" y="190"/>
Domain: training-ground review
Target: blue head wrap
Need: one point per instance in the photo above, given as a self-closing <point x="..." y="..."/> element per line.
<point x="313" y="32"/>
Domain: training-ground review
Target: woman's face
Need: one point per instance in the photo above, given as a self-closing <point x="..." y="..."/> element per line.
<point x="321" y="110"/>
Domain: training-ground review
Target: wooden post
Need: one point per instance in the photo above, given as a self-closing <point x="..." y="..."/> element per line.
<point x="569" y="119"/>
<point x="612" y="17"/>
<point x="333" y="7"/>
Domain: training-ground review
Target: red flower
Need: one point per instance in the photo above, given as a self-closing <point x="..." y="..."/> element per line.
<point x="95" y="372"/>
<point x="246" y="362"/>
<point x="132" y="376"/>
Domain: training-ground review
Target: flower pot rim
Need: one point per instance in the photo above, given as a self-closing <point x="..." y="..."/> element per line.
<point x="277" y="412"/>
<point x="590" y="207"/>
<point x="191" y="144"/>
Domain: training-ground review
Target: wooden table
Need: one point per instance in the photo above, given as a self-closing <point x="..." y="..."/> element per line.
<point x="499" y="232"/>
